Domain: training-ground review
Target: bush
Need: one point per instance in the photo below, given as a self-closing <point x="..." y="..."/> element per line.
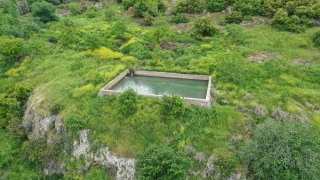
<point x="45" y="11"/>
<point x="316" y="39"/>
<point x="234" y="17"/>
<point x="225" y="165"/>
<point x="23" y="7"/>
<point x="56" y="109"/>
<point x="91" y="12"/>
<point x="162" y="162"/>
<point x="172" y="107"/>
<point x="236" y="33"/>
<point x="143" y="6"/>
<point x="74" y="8"/>
<point x="147" y="19"/>
<point x="74" y="122"/>
<point x="204" y="27"/>
<point x="11" y="47"/>
<point x="250" y="7"/>
<point x="179" y="18"/>
<point x="216" y="5"/>
<point x="282" y="21"/>
<point x="127" y="102"/>
<point x="284" y="150"/>
<point x="189" y="6"/>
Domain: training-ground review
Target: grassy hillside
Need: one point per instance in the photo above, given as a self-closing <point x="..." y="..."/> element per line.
<point x="259" y="73"/>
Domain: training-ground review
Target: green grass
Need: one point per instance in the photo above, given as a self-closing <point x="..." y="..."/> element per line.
<point x="208" y="130"/>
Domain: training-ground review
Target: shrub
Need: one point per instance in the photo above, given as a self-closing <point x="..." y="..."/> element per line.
<point x="234" y="17"/>
<point x="189" y="6"/>
<point x="282" y="21"/>
<point x="45" y="11"/>
<point x="147" y="19"/>
<point x="104" y="53"/>
<point x="143" y="6"/>
<point x="23" y="7"/>
<point x="204" y="27"/>
<point x="162" y="162"/>
<point x="236" y="33"/>
<point x="91" y="12"/>
<point x="172" y="107"/>
<point x="74" y="122"/>
<point x="225" y="165"/>
<point x="11" y="47"/>
<point x="111" y="12"/>
<point x="179" y="18"/>
<point x="127" y="102"/>
<point x="74" y="8"/>
<point x="216" y="5"/>
<point x="283" y="150"/>
<point x="316" y="39"/>
<point x="250" y="7"/>
<point x="56" y="109"/>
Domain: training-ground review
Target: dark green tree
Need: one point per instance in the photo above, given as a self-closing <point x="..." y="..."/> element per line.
<point x="44" y="11"/>
<point x="161" y="162"/>
<point x="284" y="150"/>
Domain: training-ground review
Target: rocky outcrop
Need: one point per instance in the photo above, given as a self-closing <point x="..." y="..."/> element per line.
<point x="39" y="125"/>
<point x="125" y="166"/>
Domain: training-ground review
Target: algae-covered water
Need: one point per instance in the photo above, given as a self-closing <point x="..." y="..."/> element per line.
<point x="161" y="86"/>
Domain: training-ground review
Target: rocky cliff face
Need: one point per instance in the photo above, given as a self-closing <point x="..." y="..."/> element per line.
<point x="125" y="166"/>
<point x="38" y="127"/>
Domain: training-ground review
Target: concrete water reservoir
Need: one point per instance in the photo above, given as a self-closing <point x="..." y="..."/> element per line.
<point x="195" y="89"/>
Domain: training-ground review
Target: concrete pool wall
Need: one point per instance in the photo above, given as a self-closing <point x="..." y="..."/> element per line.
<point x="106" y="90"/>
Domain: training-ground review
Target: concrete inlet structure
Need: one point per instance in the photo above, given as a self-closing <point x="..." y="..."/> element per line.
<point x="107" y="89"/>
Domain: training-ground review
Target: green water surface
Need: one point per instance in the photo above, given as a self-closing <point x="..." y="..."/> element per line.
<point x="161" y="86"/>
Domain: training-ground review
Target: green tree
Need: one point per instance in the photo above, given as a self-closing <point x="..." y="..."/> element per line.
<point x="44" y="11"/>
<point x="127" y="102"/>
<point x="162" y="163"/>
<point x="284" y="150"/>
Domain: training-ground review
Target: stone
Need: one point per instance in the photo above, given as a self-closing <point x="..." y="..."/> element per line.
<point x="168" y="11"/>
<point x="199" y="157"/>
<point x="246" y="24"/>
<point x="247" y="96"/>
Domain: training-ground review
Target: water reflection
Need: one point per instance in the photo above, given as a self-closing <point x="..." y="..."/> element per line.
<point x="160" y="86"/>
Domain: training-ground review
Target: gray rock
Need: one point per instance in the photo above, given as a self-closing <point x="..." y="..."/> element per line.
<point x="247" y="96"/>
<point x="246" y="24"/>
<point x="105" y="157"/>
<point x="168" y="11"/>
